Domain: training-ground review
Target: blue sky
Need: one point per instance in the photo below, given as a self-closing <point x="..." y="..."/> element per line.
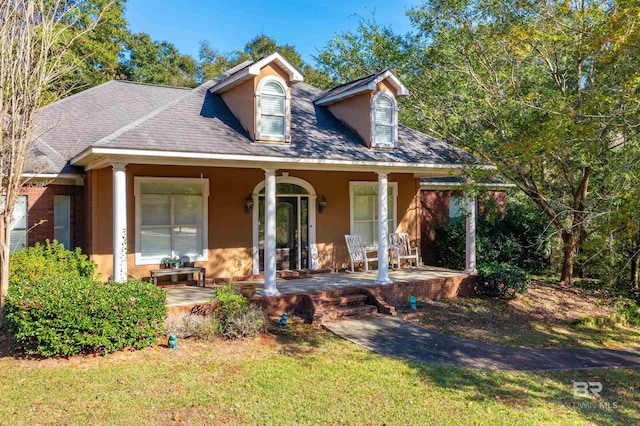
<point x="228" y="25"/>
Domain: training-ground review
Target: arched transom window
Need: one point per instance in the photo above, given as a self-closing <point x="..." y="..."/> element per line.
<point x="384" y="121"/>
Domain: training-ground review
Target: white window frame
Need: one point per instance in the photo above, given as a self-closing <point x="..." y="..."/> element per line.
<point x="152" y="260"/>
<point x="67" y="227"/>
<point x="353" y="185"/>
<point x="394" y="121"/>
<point x="460" y="208"/>
<point x="287" y="111"/>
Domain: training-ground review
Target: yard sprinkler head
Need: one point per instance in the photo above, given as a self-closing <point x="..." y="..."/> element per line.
<point x="173" y="342"/>
<point x="283" y="320"/>
<point x="412" y="303"/>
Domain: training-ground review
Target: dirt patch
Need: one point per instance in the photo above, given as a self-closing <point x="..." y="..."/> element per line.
<point x="549" y="315"/>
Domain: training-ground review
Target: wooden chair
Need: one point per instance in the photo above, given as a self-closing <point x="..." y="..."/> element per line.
<point x="400" y="248"/>
<point x="358" y="253"/>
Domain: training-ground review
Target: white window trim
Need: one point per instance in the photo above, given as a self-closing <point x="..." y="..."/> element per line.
<point x="287" y="111"/>
<point x="139" y="259"/>
<point x="392" y="185"/>
<point x="394" y="133"/>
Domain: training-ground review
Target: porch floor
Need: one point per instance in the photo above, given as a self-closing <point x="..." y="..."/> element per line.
<point x="190" y="295"/>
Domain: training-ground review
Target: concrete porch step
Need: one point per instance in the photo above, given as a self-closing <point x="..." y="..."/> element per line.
<point x="346" y="300"/>
<point x="349" y="311"/>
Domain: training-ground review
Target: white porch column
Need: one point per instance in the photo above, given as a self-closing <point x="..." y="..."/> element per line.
<point x="270" y="288"/>
<point x="383" y="231"/>
<point x="119" y="223"/>
<point x="470" y="226"/>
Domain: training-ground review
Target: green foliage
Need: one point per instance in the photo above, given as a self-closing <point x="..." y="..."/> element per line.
<point x="49" y="260"/>
<point x="630" y="311"/>
<point x="236" y="316"/>
<point x="62" y="316"/>
<point x="518" y="237"/>
<point x="150" y="61"/>
<point x="502" y="280"/>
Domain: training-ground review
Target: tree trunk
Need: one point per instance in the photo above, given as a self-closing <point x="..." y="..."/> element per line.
<point x="634" y="272"/>
<point x="569" y="240"/>
<point x="5" y="247"/>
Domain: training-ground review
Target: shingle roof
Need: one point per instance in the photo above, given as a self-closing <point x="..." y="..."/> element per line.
<point x="127" y="115"/>
<point x="72" y="124"/>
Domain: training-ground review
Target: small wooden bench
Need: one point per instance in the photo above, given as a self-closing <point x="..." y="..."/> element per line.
<point x="202" y="273"/>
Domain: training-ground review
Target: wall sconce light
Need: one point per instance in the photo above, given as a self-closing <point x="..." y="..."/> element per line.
<point x="322" y="203"/>
<point x="248" y="205"/>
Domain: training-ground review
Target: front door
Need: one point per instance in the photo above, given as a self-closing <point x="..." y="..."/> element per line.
<point x="292" y="232"/>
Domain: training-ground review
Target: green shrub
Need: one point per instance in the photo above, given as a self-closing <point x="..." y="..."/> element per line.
<point x="502" y="280"/>
<point x="629" y="310"/>
<point x="516" y="237"/>
<point x="49" y="259"/>
<point x="230" y="301"/>
<point x="70" y="315"/>
<point x="235" y="316"/>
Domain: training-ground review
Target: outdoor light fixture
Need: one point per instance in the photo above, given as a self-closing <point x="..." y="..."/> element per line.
<point x="322" y="203"/>
<point x="248" y="205"/>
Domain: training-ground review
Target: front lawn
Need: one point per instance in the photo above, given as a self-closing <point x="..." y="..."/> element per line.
<point x="301" y="375"/>
<point x="549" y="315"/>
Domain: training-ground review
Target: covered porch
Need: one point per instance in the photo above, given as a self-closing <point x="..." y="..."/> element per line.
<point x="431" y="282"/>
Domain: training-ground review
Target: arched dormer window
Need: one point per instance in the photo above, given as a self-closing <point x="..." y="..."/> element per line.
<point x="272" y="110"/>
<point x="384" y="121"/>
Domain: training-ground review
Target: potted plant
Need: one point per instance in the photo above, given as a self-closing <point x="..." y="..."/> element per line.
<point x="171" y="262"/>
<point x="248" y="290"/>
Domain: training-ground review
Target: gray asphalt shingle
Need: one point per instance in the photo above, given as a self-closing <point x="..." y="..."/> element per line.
<point x="120" y="114"/>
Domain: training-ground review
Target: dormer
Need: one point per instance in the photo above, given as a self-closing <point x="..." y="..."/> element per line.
<point x="259" y="96"/>
<point x="369" y="107"/>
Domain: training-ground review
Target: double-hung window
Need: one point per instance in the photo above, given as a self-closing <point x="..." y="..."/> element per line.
<point x="19" y="224"/>
<point x="364" y="210"/>
<point x="171" y="218"/>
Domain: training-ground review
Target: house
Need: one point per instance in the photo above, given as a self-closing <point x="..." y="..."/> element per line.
<point x="247" y="174"/>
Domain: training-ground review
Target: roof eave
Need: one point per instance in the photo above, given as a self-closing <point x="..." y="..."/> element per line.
<point x="401" y="89"/>
<point x="254" y="70"/>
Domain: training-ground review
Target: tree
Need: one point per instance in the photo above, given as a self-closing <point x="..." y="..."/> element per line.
<point x="96" y="52"/>
<point x="36" y="38"/>
<point x="544" y="90"/>
<point x="148" y="61"/>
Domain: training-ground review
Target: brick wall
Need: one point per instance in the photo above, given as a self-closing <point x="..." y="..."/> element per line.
<point x="40" y="207"/>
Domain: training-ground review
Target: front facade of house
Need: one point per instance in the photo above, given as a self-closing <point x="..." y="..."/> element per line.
<point x="250" y="173"/>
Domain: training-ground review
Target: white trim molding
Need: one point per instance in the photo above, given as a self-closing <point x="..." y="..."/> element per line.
<point x="254" y="69"/>
<point x="154" y="260"/>
<point x="372" y="86"/>
<point x="99" y="157"/>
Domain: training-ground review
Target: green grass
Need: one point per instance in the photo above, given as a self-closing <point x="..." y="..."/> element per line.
<point x="299" y="376"/>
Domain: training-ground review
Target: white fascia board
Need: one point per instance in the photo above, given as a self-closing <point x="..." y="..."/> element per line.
<point x="254" y="70"/>
<point x="95" y="157"/>
<point x="395" y="82"/>
<point x="401" y="89"/>
<point x="456" y="185"/>
<point x="56" y="178"/>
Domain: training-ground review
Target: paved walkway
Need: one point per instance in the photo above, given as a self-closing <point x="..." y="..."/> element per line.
<point x="395" y="337"/>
